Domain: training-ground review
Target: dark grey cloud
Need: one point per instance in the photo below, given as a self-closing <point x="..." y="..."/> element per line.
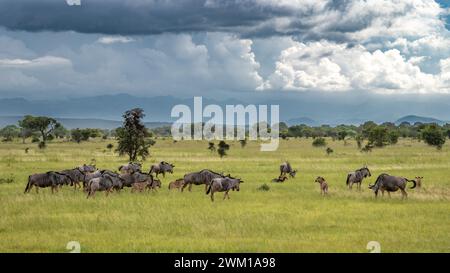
<point x="250" y="18"/>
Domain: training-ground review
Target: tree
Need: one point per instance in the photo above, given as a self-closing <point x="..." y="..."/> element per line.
<point x="223" y="148"/>
<point x="44" y="125"/>
<point x="132" y="136"/>
<point x="9" y="132"/>
<point x="60" y="132"/>
<point x="432" y="134"/>
<point x="76" y="135"/>
<point x="378" y="136"/>
<point x="109" y="146"/>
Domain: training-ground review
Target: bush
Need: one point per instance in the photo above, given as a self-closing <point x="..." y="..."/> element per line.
<point x="319" y="142"/>
<point x="264" y="187"/>
<point x="433" y="135"/>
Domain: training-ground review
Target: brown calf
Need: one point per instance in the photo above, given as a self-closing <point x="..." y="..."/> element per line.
<point x="323" y="185"/>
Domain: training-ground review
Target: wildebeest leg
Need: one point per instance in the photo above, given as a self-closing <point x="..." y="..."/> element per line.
<point x="37" y="189"/>
<point x="53" y="189"/>
<point x="389" y="194"/>
<point x="404" y="194"/>
<point x="212" y="196"/>
<point x="225" y="195"/>
<point x="190" y="187"/>
<point x="206" y="187"/>
<point x="184" y="186"/>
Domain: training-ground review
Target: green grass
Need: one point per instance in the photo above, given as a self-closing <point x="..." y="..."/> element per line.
<point x="290" y="217"/>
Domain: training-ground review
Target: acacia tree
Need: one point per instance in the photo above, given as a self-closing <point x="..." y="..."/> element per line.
<point x="432" y="134"/>
<point x="132" y="136"/>
<point x="44" y="125"/>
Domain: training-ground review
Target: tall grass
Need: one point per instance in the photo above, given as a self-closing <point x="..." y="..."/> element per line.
<point x="290" y="217"/>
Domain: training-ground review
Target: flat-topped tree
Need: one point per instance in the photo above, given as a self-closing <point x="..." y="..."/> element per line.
<point x="44" y="125"/>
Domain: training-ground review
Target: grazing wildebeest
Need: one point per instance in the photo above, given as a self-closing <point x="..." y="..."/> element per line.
<point x="130" y="168"/>
<point x="161" y="167"/>
<point x="419" y="181"/>
<point x="99" y="184"/>
<point x="357" y="177"/>
<point x="279" y="179"/>
<point x="323" y="185"/>
<point x="390" y="183"/>
<point x="48" y="179"/>
<point x="88" y="176"/>
<point x="197" y="178"/>
<point x="223" y="184"/>
<point x="285" y="168"/>
<point x="177" y="184"/>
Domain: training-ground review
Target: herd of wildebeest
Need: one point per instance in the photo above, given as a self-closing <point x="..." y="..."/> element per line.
<point x="131" y="175"/>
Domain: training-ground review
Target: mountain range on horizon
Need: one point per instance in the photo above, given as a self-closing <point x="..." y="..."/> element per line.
<point x="105" y="111"/>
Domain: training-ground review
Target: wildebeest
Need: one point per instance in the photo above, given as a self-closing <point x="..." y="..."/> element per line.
<point x="154" y="185"/>
<point x="130" y="168"/>
<point x="177" y="184"/>
<point x="323" y="185"/>
<point x="357" y="177"/>
<point x="279" y="179"/>
<point x="390" y="183"/>
<point x="103" y="183"/>
<point x="285" y="168"/>
<point x="137" y="177"/>
<point x="49" y="179"/>
<point x="198" y="178"/>
<point x="419" y="181"/>
<point x="77" y="174"/>
<point x="223" y="184"/>
<point x="161" y="167"/>
<point x="88" y="176"/>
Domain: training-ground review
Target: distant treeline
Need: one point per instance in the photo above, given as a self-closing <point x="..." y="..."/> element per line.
<point x="375" y="135"/>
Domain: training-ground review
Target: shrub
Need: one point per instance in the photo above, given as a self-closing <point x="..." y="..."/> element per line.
<point x="319" y="142"/>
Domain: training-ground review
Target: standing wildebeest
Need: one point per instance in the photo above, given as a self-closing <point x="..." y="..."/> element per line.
<point x="103" y="183"/>
<point x="223" y="184"/>
<point x="130" y="168"/>
<point x="357" y="177"/>
<point x="162" y="167"/>
<point x="197" y="178"/>
<point x="285" y="168"/>
<point x="48" y="179"/>
<point x="323" y="185"/>
<point x="77" y="174"/>
<point x="389" y="183"/>
<point x="137" y="177"/>
<point x="177" y="184"/>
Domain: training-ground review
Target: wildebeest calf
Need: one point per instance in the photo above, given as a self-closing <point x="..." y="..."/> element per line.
<point x="323" y="185"/>
<point x="177" y="184"/>
<point x="419" y="181"/>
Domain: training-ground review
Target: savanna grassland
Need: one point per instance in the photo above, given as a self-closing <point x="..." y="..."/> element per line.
<point x="290" y="217"/>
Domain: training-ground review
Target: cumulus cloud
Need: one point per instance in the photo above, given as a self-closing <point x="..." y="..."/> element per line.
<point x="115" y="39"/>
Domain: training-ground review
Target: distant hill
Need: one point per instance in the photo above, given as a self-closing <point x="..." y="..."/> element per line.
<point x="413" y="119"/>
<point x="302" y="120"/>
<point x="72" y="123"/>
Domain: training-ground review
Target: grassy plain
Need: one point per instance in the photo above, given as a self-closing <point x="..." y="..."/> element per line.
<point x="290" y="217"/>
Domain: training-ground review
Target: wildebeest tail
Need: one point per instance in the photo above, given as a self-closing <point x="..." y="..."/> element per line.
<point x="209" y="188"/>
<point x="28" y="184"/>
<point x="151" y="170"/>
<point x="413" y="181"/>
<point x="348" y="179"/>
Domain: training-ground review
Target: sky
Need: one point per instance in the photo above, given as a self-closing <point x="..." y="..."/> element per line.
<point x="53" y="49"/>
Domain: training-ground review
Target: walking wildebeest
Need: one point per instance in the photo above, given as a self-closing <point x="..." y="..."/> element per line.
<point x="177" y="184"/>
<point x="197" y="178"/>
<point x="130" y="168"/>
<point x="285" y="168"/>
<point x="162" y="167"/>
<point x="103" y="183"/>
<point x="49" y="179"/>
<point x="357" y="177"/>
<point x="390" y="183"/>
<point x="223" y="184"/>
<point x="323" y="185"/>
<point x="156" y="183"/>
<point x="77" y="174"/>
